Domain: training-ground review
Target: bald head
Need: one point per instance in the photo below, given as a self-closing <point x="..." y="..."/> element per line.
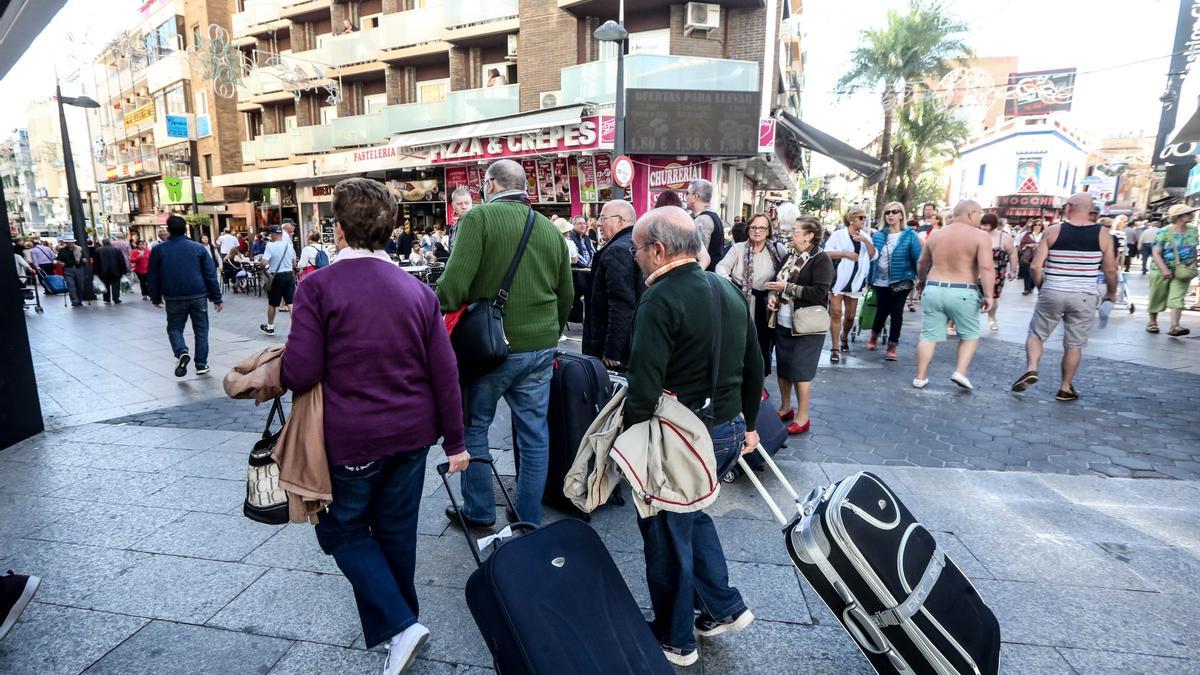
<point x="964" y="209"/>
<point x="616" y="215"/>
<point x="1079" y="208"/>
<point x="664" y="235"/>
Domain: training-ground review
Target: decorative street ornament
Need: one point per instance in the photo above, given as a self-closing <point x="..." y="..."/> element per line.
<point x="966" y="87"/>
<point x="225" y="67"/>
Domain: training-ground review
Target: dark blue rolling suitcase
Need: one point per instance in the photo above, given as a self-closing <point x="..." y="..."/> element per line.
<point x="54" y="284"/>
<point x="553" y="601"/>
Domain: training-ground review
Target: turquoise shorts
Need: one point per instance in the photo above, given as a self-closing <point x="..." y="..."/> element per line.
<point x="941" y="305"/>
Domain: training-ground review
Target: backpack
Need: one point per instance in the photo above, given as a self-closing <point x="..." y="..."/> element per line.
<point x="322" y="258"/>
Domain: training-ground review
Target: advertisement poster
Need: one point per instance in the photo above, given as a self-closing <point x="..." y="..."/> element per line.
<point x="562" y="181"/>
<point x="587" y="180"/>
<point x="530" y="167"/>
<point x="1029" y="172"/>
<point x="545" y="181"/>
<point x="475" y="183"/>
<point x="456" y="177"/>
<point x="1039" y="93"/>
<point x="604" y="177"/>
<point x="417" y="186"/>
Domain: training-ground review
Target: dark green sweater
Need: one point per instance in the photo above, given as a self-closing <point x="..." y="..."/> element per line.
<point x="541" y="295"/>
<point x="672" y="340"/>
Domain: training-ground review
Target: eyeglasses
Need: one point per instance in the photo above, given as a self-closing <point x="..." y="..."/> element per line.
<point x="892" y="212"/>
<point x="634" y="248"/>
<point x="758" y="228"/>
<point x="859" y="218"/>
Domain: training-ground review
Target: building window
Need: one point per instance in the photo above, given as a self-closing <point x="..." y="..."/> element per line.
<point x="202" y="102"/>
<point x="175" y="100"/>
<point x="433" y="90"/>
<point x="208" y="167"/>
<point x="328" y="113"/>
<point x="369" y="21"/>
<point x="374" y="103"/>
<point x="196" y="36"/>
<point x="982" y="173"/>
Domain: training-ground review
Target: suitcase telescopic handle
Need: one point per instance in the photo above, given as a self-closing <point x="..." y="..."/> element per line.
<point x="746" y="469"/>
<point x="443" y="469"/>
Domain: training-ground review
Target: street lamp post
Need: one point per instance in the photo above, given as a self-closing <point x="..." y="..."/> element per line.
<point x="76" y="204"/>
<point x="613" y="31"/>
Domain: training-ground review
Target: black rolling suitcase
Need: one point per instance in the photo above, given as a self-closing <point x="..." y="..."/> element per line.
<point x="553" y="601"/>
<point x="904" y="602"/>
<point x="772" y="435"/>
<point x="579" y="390"/>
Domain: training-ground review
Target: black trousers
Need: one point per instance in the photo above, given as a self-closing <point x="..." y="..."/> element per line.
<point x="766" y="336"/>
<point x="112" y="288"/>
<point x="889" y="305"/>
<point x="1026" y="276"/>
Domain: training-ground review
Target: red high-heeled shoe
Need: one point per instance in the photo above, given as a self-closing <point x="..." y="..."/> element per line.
<point x="787" y="416"/>
<point x="795" y="428"/>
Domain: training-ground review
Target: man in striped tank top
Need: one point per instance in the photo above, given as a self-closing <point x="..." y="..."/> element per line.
<point x="1064" y="268"/>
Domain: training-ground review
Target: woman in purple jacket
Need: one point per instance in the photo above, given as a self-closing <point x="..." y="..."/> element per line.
<point x="373" y="336"/>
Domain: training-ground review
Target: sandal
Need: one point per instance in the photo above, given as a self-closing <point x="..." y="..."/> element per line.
<point x="845" y="346"/>
<point x="834" y="357"/>
<point x="1178" y="331"/>
<point x="1152" y="328"/>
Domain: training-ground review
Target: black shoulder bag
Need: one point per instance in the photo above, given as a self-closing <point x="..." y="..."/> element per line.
<point x="478" y="340"/>
<point x="266" y="502"/>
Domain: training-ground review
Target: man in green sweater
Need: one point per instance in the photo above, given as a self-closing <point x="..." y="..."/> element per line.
<point x="534" y="318"/>
<point x="672" y="344"/>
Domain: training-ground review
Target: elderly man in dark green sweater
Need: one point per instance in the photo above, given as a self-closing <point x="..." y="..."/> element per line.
<point x="672" y="344"/>
<point x="534" y="317"/>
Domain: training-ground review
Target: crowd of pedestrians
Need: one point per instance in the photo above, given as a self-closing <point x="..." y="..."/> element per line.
<point x="649" y="309"/>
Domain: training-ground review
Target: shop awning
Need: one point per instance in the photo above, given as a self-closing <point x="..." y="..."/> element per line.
<point x="552" y="117"/>
<point x="822" y="143"/>
<point x="275" y="174"/>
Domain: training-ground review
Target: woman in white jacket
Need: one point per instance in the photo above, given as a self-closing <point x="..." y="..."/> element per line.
<point x="851" y="250"/>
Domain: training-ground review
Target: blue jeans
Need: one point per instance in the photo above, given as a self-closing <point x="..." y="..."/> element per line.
<point x="523" y="380"/>
<point x="685" y="566"/>
<point x="370" y="529"/>
<point x="178" y="312"/>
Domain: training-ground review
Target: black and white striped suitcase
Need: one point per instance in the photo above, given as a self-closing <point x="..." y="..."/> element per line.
<point x="904" y="602"/>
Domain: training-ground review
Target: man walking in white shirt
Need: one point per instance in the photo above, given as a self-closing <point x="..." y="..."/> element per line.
<point x="279" y="260"/>
<point x="226" y="242"/>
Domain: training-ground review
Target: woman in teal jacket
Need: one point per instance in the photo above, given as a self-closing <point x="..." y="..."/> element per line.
<point x="893" y="274"/>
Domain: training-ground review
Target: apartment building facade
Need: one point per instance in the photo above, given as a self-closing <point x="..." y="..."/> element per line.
<point x="161" y="130"/>
<point x="422" y="94"/>
<point x="20" y="183"/>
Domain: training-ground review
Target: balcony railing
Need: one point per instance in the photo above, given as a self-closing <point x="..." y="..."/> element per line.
<point x="272" y="146"/>
<point x="597" y="81"/>
<point x="411" y="27"/>
<point x="470" y="105"/>
<point x="167" y="70"/>
<point x="311" y="139"/>
<point x="360" y="130"/>
<point x="256" y="12"/>
<point x="414" y="116"/>
<point x="248" y="154"/>
<point x="351" y="48"/>
<point x="470" y="12"/>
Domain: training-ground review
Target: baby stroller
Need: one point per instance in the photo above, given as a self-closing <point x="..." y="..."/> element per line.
<point x="866" y="317"/>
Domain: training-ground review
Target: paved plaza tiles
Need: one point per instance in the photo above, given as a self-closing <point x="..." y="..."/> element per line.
<point x="1077" y="522"/>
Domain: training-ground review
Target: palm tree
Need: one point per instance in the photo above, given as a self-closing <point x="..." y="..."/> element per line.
<point x="903" y="56"/>
<point x="928" y="132"/>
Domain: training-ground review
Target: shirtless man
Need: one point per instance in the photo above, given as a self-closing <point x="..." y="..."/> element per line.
<point x="955" y="261"/>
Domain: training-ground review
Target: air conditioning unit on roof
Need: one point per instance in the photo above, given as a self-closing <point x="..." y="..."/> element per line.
<point x="549" y="99"/>
<point x="703" y="16"/>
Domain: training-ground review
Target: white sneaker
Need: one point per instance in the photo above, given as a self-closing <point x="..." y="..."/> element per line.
<point x="919" y="383"/>
<point x="680" y="657"/>
<point x="961" y="380"/>
<point x="403" y="648"/>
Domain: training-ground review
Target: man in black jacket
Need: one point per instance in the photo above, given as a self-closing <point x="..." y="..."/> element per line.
<point x="110" y="267"/>
<point x="617" y="285"/>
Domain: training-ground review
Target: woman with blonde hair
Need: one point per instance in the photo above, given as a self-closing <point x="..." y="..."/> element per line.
<point x="851" y="251"/>
<point x="893" y="275"/>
